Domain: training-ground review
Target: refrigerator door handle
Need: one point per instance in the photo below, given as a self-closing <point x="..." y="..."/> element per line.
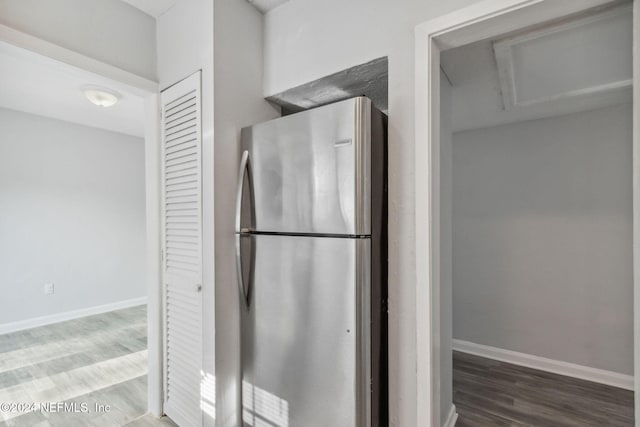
<point x="243" y="290"/>
<point x="245" y="166"/>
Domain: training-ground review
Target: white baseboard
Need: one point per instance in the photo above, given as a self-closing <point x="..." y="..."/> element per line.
<point x="543" y="364"/>
<point x="6" y="328"/>
<point x="451" y="418"/>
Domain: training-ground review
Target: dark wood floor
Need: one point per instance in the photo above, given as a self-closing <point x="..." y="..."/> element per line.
<point x="490" y="393"/>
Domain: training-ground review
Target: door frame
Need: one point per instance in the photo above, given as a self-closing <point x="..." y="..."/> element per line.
<point x="149" y="91"/>
<point x="482" y="20"/>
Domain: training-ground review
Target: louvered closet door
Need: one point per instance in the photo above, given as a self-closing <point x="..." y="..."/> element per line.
<point x="182" y="246"/>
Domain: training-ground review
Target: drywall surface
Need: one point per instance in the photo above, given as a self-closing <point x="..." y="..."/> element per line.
<point x="446" y="254"/>
<point x="186" y="35"/>
<point x="73" y="214"/>
<point x="306" y="40"/>
<point x="185" y="41"/>
<point x="110" y="31"/>
<point x="185" y="45"/>
<point x="238" y="103"/>
<point x="542" y="238"/>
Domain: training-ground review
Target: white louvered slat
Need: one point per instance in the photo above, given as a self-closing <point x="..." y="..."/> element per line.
<point x="179" y="164"/>
<point x="179" y="344"/>
<point x="181" y="235"/>
<point x="180" y="316"/>
<point x="173" y="110"/>
<point x="181" y="171"/>
<point x="170" y="103"/>
<point x="183" y="328"/>
<point x="181" y="365"/>
<point x="182" y="248"/>
<point x="180" y="302"/>
<point x="179" y="402"/>
<point x="175" y="239"/>
<point x="188" y="418"/>
<point x="174" y="249"/>
<point x="182" y="337"/>
<point x="184" y="207"/>
<point x="175" y="187"/>
<point x="180" y="180"/>
<point x="181" y="199"/>
<point x="185" y="141"/>
<point x="182" y="189"/>
<point x="182" y="115"/>
<point x="182" y="381"/>
<point x="181" y="129"/>
<point x="182" y="144"/>
<point x="179" y="120"/>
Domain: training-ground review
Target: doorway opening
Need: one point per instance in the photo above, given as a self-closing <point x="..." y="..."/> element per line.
<point x="529" y="137"/>
<point x="78" y="197"/>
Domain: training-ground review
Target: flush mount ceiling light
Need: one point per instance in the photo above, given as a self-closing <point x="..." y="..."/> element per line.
<point x="100" y="96"/>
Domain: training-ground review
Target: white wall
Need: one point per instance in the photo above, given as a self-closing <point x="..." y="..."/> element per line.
<point x="308" y="39"/>
<point x="238" y="103"/>
<point x="542" y="238"/>
<point x="446" y="253"/>
<point x="73" y="213"/>
<point x="186" y="36"/>
<point x="107" y="30"/>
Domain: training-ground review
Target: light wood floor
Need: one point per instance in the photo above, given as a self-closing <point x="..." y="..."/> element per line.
<point x="96" y="360"/>
<point x="490" y="393"/>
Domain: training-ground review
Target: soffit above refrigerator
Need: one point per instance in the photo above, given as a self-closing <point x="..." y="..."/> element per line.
<point x="370" y="79"/>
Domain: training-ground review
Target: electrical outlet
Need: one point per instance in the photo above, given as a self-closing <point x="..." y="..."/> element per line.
<point x="48" y="289"/>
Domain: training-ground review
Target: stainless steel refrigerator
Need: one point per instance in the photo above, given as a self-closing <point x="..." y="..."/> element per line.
<point x="312" y="268"/>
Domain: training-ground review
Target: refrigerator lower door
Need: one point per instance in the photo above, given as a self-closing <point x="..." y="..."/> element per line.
<point x="305" y="336"/>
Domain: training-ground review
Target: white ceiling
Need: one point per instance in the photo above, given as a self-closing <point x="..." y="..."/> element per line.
<point x="35" y="84"/>
<point x="153" y="8"/>
<point x="266" y="5"/>
<point x="156" y="8"/>
<point x="578" y="65"/>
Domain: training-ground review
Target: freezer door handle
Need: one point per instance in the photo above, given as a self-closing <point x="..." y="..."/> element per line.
<point x="245" y="166"/>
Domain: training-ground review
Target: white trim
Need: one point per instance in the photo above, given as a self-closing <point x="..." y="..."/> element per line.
<point x="482" y="20"/>
<point x="636" y="203"/>
<point x="451" y="418"/>
<point x="425" y="331"/>
<point x="7" y="328"/>
<point x="544" y="364"/>
<point x="153" y="245"/>
<point x="140" y="85"/>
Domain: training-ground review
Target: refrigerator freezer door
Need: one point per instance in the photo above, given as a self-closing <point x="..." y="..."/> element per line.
<point x="311" y="170"/>
<point x="304" y="350"/>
